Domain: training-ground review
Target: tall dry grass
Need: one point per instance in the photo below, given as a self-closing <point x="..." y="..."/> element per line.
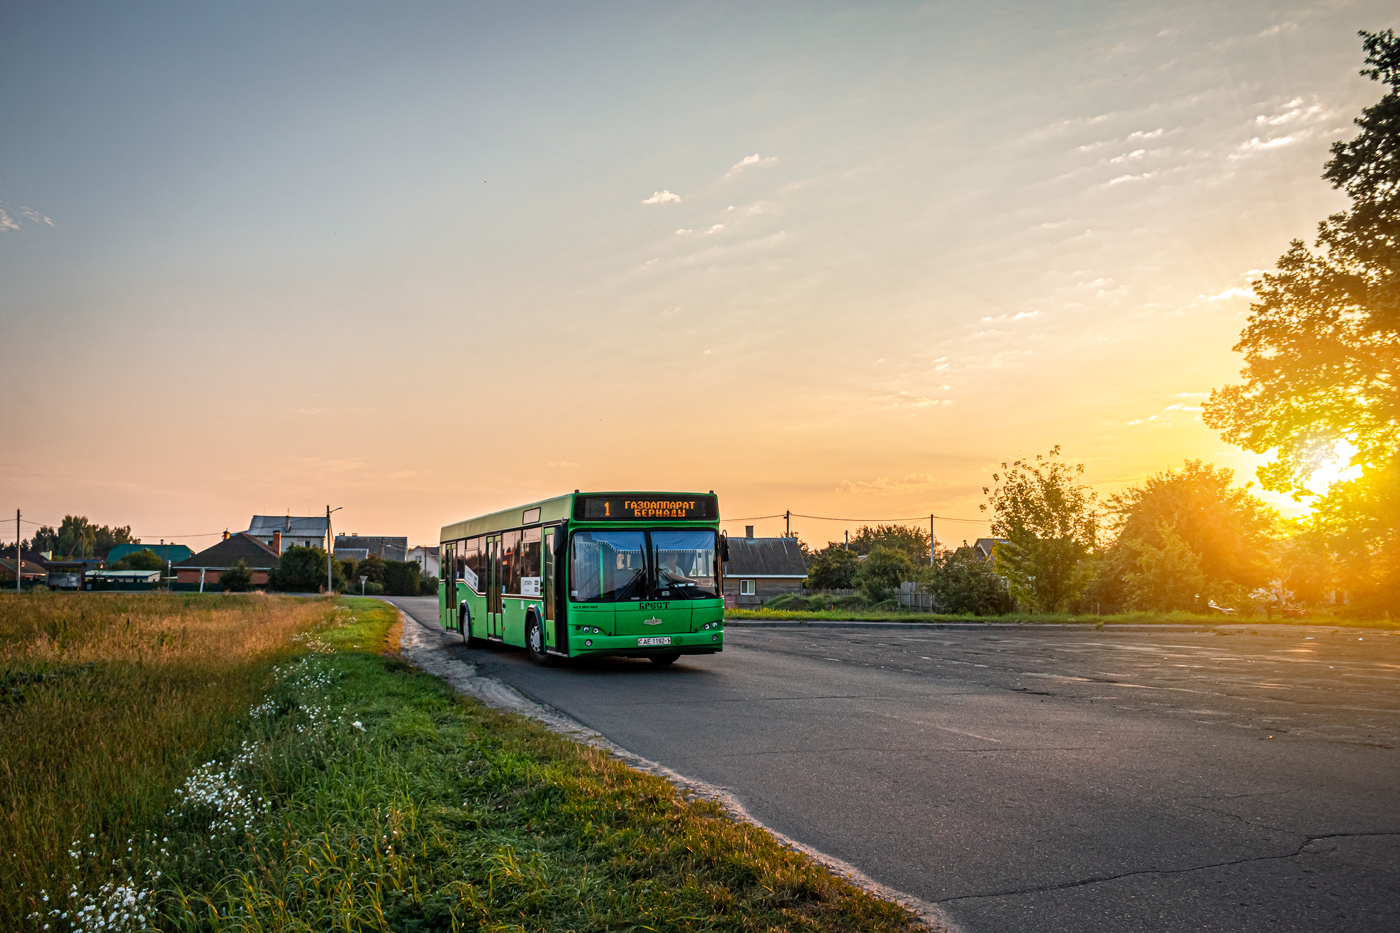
<point x="107" y="701"/>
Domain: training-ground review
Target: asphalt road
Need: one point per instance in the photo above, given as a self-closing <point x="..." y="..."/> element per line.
<point x="1038" y="779"/>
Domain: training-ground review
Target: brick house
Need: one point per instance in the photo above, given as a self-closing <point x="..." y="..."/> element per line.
<point x="762" y="568"/>
<point x="203" y="569"/>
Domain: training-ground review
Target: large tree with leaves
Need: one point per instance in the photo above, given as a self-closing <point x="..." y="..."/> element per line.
<point x="1322" y="344"/>
<point x="1050" y="524"/>
<point x="1185" y="536"/>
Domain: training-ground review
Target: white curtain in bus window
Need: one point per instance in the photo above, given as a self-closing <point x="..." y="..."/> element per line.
<point x="530" y="562"/>
<point x="510" y="562"/>
<point x="608" y="566"/>
<point x="469" y="556"/>
<point x="685" y="564"/>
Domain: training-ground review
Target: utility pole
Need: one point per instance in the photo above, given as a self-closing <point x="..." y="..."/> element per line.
<point x="330" y="546"/>
<point x="19" y="559"/>
<point x="848" y="539"/>
<point x="787" y="525"/>
<point x="931" y="540"/>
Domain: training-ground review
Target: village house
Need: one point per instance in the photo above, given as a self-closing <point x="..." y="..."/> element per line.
<point x="358" y="547"/>
<point x="427" y="557"/>
<point x="759" y="569"/>
<point x="290" y="530"/>
<point x="202" y="570"/>
<point x="168" y="553"/>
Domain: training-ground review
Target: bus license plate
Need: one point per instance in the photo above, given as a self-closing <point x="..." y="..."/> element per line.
<point x="662" y="640"/>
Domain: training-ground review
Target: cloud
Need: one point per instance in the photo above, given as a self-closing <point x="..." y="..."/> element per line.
<point x="747" y="161"/>
<point x="1006" y="317"/>
<point x="35" y="216"/>
<point x="6" y="222"/>
<point x="715" y="229"/>
<point x="561" y="463"/>
<point x="1191" y="395"/>
<point x="1294" y="110"/>
<point x="1235" y="291"/>
<point x="683" y="231"/>
<point x="662" y="197"/>
<point x="1128" y="156"/>
<point x="902" y="398"/>
<point x="1122" y="178"/>
<point x="886" y="486"/>
<point x="1246" y="149"/>
<point x="1182" y="408"/>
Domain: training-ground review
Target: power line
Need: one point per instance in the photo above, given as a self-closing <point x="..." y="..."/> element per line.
<point x="916" y="518"/>
<point x="866" y="521"/>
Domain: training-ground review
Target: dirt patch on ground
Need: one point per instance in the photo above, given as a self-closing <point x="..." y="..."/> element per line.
<point x="392" y="639"/>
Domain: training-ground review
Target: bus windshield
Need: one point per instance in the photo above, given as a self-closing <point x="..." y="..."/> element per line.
<point x="685" y="564"/>
<point x="619" y="566"/>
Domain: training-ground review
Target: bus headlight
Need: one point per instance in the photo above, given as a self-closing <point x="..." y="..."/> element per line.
<point x="588" y="643"/>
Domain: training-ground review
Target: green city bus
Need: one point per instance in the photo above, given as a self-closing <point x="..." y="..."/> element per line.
<point x="638" y="574"/>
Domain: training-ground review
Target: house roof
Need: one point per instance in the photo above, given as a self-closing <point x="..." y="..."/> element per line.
<point x="30" y="568"/>
<point x="765" y="557"/>
<point x="170" y="552"/>
<point x="242" y="546"/>
<point x="981" y="548"/>
<point x="292" y="526"/>
<point x="29" y="557"/>
<point x="386" y="546"/>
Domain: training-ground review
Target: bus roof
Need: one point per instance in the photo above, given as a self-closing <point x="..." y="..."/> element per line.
<point x="615" y="506"/>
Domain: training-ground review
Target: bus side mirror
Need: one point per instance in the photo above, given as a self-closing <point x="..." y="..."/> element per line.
<point x="724" y="548"/>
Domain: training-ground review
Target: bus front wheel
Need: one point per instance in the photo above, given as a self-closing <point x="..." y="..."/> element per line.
<point x="534" y="642"/>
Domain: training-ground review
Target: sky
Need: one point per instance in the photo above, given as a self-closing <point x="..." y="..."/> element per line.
<point x="423" y="261"/>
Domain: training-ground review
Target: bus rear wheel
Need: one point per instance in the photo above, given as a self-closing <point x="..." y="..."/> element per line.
<point x="465" y="624"/>
<point x="663" y="659"/>
<point x="534" y="642"/>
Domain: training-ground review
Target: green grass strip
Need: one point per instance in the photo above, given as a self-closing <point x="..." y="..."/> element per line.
<point x="365" y="795"/>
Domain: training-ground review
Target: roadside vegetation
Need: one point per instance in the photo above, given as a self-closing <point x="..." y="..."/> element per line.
<point x="266" y="763"/>
<point x="792" y="610"/>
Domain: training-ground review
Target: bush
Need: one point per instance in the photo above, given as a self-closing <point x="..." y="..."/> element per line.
<point x="236" y="579"/>
<point x="427" y="585"/>
<point x="144" y="559"/>
<point x="833" y="569"/>
<point x="881" y="573"/>
<point x="401" y="577"/>
<point x="303" y="570"/>
<point x="963" y="584"/>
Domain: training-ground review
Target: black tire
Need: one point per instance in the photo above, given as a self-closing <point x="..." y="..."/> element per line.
<point x="663" y="659"/>
<point x="534" y="642"/>
<point x="464" y="621"/>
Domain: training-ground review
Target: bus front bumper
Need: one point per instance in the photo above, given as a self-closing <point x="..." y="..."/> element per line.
<point x="627" y="646"/>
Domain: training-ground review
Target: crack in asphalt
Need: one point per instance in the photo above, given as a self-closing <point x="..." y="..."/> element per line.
<point x="1085" y="882"/>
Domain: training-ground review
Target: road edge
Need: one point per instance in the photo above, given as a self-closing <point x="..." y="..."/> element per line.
<point x="423" y="645"/>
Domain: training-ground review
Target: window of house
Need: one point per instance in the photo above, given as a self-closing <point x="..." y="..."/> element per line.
<point x="746" y="588"/>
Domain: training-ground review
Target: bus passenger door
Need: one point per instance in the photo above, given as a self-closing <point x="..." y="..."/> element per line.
<point x="452" y="592"/>
<point x="493" y="587"/>
<point x="555" y="632"/>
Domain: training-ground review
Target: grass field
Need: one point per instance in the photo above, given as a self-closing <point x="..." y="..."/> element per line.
<point x="1124" y="618"/>
<point x="260" y="763"/>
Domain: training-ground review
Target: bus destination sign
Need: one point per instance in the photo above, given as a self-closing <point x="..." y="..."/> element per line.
<point x="646" y="507"/>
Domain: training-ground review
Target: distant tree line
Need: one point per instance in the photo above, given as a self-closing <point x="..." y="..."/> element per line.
<point x="77" y="538"/>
